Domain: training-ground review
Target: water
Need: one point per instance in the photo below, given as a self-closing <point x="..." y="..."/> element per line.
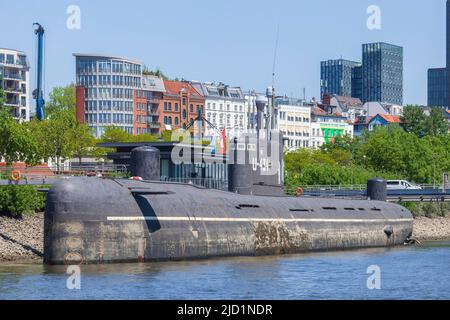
<point x="406" y="273"/>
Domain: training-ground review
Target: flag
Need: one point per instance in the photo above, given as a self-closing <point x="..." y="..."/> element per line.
<point x="223" y="142"/>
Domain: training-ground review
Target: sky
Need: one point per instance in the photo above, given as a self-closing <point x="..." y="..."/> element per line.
<point x="230" y="41"/>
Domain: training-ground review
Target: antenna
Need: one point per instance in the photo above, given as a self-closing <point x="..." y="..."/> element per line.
<point x="275" y="55"/>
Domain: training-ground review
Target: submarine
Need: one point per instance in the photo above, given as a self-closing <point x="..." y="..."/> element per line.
<point x="91" y="220"/>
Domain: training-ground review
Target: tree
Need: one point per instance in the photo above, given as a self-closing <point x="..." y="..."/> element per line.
<point x="157" y="73"/>
<point x="55" y="135"/>
<point x="115" y="134"/>
<point x="414" y="120"/>
<point x="61" y="98"/>
<point x="17" y="142"/>
<point x="2" y="95"/>
<point x="83" y="141"/>
<point x="435" y="123"/>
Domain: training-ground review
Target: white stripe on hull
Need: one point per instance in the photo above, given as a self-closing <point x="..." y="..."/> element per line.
<point x="211" y="219"/>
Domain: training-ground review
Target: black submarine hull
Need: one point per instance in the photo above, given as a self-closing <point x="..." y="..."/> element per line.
<point x="94" y="220"/>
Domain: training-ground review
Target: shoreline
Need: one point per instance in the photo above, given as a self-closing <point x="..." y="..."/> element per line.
<point x="21" y="240"/>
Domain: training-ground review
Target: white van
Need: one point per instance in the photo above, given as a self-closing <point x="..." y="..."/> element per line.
<point x="401" y="185"/>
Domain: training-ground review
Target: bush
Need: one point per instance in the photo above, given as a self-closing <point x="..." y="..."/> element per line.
<point x="428" y="209"/>
<point x="19" y="200"/>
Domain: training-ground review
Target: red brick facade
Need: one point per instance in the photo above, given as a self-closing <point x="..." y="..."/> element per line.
<point x="80" y="92"/>
<point x="180" y="105"/>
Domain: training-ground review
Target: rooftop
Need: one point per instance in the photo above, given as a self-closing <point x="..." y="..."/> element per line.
<point x="100" y="56"/>
<point x="175" y="87"/>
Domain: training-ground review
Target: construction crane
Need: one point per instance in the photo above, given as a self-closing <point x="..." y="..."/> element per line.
<point x="38" y="94"/>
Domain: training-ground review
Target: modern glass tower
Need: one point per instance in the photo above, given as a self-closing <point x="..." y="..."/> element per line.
<point x="382" y="73"/>
<point x="339" y="77"/>
<point x="437" y="87"/>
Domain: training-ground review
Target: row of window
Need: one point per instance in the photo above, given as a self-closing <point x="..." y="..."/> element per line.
<point x="238" y="120"/>
<point x="168" y="107"/>
<point x="107" y="80"/>
<point x="10" y="59"/>
<point x="212" y="106"/>
<point x="111" y="118"/>
<point x="107" y="66"/>
<point x="108" y="105"/>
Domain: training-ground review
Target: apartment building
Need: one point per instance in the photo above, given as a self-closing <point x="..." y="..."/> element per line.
<point x="224" y="108"/>
<point x="15" y="81"/>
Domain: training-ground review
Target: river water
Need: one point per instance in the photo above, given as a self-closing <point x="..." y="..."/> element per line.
<point x="411" y="272"/>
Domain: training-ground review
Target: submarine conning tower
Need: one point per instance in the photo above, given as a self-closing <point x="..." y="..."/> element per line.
<point x="96" y="220"/>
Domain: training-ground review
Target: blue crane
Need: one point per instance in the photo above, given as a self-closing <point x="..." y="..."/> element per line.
<point x="38" y="93"/>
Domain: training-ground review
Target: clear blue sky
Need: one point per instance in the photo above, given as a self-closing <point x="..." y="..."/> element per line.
<point x="231" y="41"/>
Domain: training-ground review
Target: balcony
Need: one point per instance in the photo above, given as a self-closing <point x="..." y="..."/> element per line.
<point x="13" y="89"/>
<point x="13" y="76"/>
<point x="153" y="125"/>
<point x="152" y="112"/>
<point x="154" y="101"/>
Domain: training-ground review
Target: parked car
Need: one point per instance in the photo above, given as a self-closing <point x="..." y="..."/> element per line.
<point x="401" y="185"/>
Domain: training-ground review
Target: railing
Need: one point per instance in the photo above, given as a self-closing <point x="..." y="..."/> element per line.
<point x="202" y="182"/>
<point x="362" y="187"/>
<point x="154" y="125"/>
<point x="43" y="173"/>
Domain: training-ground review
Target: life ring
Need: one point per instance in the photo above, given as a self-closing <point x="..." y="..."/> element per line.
<point x="298" y="192"/>
<point x="15" y="175"/>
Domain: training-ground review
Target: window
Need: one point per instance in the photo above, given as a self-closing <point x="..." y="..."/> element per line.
<point x="184" y="114"/>
<point x="165" y="106"/>
<point x="184" y="101"/>
<point x="176" y="106"/>
<point x="176" y="121"/>
<point x="191" y="108"/>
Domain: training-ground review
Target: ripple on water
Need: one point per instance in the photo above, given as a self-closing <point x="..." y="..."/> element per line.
<point x="406" y="273"/>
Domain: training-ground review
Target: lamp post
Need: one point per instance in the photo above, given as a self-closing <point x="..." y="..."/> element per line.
<point x="434" y="170"/>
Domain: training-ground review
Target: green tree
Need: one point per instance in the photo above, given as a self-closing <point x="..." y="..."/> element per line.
<point x="435" y="123"/>
<point x="17" y="142"/>
<point x="115" y="134"/>
<point x="61" y="98"/>
<point x="157" y="73"/>
<point x="2" y="95"/>
<point x="414" y="120"/>
<point x="56" y="135"/>
<point x="83" y="141"/>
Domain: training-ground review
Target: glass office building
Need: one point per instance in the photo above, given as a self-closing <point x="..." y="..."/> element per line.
<point x="382" y="73"/>
<point x="109" y="84"/>
<point x="437" y="87"/>
<point x="339" y="77"/>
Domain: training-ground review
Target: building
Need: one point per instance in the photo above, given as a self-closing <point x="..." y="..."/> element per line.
<point x="326" y="127"/>
<point x="437" y="87"/>
<point x="224" y="108"/>
<point x="348" y="107"/>
<point x="106" y="92"/>
<point x="211" y="173"/>
<point x="15" y="81"/>
<point x="371" y="109"/>
<point x="181" y="105"/>
<point x="340" y="77"/>
<point x="294" y="122"/>
<point x="382" y="120"/>
<point x="149" y="106"/>
<point x="382" y="73"/>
